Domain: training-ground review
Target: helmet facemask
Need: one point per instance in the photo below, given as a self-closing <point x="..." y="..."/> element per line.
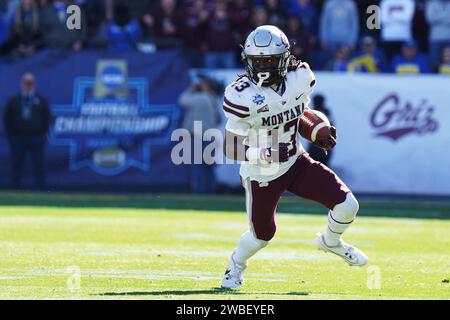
<point x="266" y="70"/>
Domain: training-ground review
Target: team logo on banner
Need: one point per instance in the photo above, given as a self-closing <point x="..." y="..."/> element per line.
<point x="394" y="119"/>
<point x="110" y="125"/>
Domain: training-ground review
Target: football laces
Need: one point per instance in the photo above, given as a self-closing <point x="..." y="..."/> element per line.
<point x="308" y="122"/>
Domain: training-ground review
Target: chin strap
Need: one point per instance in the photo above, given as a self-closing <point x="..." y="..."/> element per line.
<point x="262" y="76"/>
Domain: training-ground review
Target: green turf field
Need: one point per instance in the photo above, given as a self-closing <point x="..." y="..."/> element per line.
<point x="60" y="249"/>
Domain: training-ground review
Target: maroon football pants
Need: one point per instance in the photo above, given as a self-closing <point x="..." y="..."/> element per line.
<point x="306" y="178"/>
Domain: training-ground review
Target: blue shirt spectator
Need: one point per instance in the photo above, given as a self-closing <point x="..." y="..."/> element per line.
<point x="123" y="32"/>
<point x="410" y="61"/>
<point x="339" y="24"/>
<point x="275" y="12"/>
<point x="26" y="35"/>
<point x="125" y="37"/>
<point x="3" y="30"/>
<point x="308" y="13"/>
<point x="438" y="16"/>
<point x="9" y="8"/>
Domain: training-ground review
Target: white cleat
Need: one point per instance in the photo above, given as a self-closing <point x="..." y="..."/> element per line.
<point x="352" y="255"/>
<point x="232" y="278"/>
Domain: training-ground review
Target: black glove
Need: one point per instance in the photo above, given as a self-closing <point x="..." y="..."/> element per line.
<point x="279" y="153"/>
<point x="327" y="143"/>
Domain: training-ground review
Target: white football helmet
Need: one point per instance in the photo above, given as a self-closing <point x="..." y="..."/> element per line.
<point x="266" y="55"/>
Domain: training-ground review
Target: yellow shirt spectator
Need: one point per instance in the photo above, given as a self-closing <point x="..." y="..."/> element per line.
<point x="444" y="69"/>
<point x="365" y="62"/>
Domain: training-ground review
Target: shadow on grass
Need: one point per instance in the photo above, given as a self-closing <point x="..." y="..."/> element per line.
<point x="216" y="291"/>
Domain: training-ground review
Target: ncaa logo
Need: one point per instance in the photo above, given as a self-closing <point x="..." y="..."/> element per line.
<point x="112" y="77"/>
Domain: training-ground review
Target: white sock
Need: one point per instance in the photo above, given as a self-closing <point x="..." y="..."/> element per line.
<point x="339" y="219"/>
<point x="331" y="236"/>
<point x="247" y="247"/>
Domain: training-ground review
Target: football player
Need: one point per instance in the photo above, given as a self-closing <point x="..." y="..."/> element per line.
<point x="263" y="107"/>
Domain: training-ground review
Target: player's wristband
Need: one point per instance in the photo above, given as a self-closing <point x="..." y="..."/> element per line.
<point x="254" y="154"/>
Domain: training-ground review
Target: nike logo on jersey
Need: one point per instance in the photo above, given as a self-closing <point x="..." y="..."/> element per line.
<point x="284" y="116"/>
<point x="296" y="98"/>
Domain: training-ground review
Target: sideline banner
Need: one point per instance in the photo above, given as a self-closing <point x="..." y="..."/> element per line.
<point x="113" y="117"/>
<point x="393" y="131"/>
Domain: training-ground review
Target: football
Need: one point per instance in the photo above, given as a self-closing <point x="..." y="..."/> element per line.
<point x="314" y="125"/>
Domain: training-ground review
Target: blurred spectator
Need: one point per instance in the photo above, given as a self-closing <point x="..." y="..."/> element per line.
<point x="317" y="153"/>
<point x="339" y="25"/>
<point x="420" y="29"/>
<point x="299" y="38"/>
<point x="240" y="16"/>
<point x="444" y="67"/>
<point x="259" y="18"/>
<point x="123" y="32"/>
<point x="209" y="31"/>
<point x="438" y="16"/>
<point x="96" y="14"/>
<point x="199" y="103"/>
<point x="369" y="59"/>
<point x="396" y="24"/>
<point x="410" y="61"/>
<point x="54" y="29"/>
<point x="195" y="17"/>
<point x="3" y="30"/>
<point x="3" y="6"/>
<point x="135" y="7"/>
<point x="26" y="36"/>
<point x="275" y="13"/>
<point x="340" y="61"/>
<point x="164" y="24"/>
<point x="220" y="42"/>
<point x="8" y="9"/>
<point x="27" y="120"/>
<point x="307" y="11"/>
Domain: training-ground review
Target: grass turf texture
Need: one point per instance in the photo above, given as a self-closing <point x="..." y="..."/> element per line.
<point x="144" y="253"/>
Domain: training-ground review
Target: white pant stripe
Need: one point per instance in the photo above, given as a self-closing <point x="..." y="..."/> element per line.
<point x="249" y="203"/>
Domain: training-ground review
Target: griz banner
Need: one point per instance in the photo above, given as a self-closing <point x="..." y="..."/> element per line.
<point x="113" y="117"/>
<point x="393" y="132"/>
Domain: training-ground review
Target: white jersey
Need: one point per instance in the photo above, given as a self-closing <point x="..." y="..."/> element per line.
<point x="267" y="118"/>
